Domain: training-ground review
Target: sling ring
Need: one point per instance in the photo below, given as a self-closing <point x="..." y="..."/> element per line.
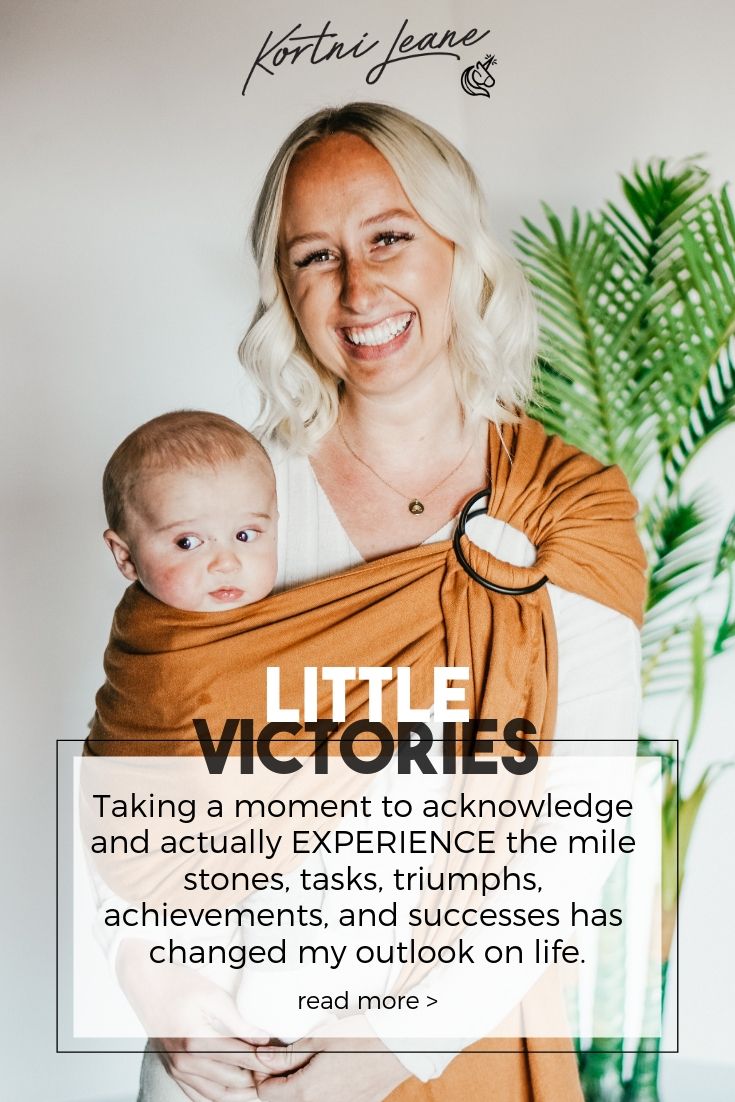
<point x="459" y="531"/>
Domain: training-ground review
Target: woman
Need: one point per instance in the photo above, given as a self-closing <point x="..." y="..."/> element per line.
<point x="391" y="332"/>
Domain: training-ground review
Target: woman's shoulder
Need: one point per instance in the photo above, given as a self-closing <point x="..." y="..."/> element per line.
<point x="557" y="465"/>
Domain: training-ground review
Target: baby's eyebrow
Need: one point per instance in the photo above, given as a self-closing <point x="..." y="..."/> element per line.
<point x="178" y="524"/>
<point x="194" y="521"/>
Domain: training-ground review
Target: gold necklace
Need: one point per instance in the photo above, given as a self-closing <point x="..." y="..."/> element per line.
<point x="415" y="505"/>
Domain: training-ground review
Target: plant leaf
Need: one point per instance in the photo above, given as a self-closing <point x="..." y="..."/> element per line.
<point x="698" y="681"/>
<point x="725" y="557"/>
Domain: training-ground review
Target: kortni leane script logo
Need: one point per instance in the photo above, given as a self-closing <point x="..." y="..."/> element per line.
<point x="327" y="45"/>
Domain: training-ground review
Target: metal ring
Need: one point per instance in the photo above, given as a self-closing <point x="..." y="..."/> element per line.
<point x="459" y="531"/>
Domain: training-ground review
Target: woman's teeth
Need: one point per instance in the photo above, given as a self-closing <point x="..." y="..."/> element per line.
<point x="381" y="333"/>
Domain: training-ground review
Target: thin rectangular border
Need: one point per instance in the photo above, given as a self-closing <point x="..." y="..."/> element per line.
<point x="350" y="1051"/>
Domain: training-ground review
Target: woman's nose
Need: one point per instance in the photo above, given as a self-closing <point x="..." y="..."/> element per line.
<point x="360" y="287"/>
<point x="223" y="561"/>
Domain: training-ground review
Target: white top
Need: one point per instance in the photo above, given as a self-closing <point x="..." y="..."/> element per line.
<point x="599" y="664"/>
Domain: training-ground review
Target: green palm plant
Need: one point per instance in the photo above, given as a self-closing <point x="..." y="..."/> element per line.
<point x="637" y="305"/>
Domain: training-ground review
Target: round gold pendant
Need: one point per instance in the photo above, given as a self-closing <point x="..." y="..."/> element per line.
<point x="415" y="507"/>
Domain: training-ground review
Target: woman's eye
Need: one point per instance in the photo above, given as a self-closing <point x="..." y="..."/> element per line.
<point x="188" y="543"/>
<point x="319" y="256"/>
<point x="391" y="237"/>
<point x="245" y="535"/>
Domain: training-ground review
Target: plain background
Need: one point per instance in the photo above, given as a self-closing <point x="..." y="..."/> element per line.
<point x="131" y="165"/>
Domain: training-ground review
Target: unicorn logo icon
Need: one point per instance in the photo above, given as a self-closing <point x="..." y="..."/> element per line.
<point x="477" y="80"/>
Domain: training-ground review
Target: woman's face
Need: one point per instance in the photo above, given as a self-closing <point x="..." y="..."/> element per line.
<point x="367" y="279"/>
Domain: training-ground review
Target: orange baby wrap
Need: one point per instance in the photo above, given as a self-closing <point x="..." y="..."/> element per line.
<point x="420" y="609"/>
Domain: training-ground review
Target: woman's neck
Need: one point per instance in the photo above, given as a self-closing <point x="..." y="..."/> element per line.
<point x="403" y="425"/>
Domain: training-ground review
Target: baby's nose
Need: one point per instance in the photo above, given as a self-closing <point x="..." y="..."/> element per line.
<point x="224" y="561"/>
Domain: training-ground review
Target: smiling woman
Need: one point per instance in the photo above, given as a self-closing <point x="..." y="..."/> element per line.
<point x="367" y="278"/>
<point x="406" y="189"/>
<point x="393" y="346"/>
<point x="391" y="326"/>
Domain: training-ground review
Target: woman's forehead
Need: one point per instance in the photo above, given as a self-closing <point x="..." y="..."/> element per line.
<point x="333" y="149"/>
<point x="341" y="173"/>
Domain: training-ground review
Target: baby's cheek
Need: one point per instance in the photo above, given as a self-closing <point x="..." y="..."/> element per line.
<point x="175" y="583"/>
<point x="263" y="576"/>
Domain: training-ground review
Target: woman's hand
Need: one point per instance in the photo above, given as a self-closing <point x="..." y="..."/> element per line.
<point x="208" y="1076"/>
<point x="223" y="1069"/>
<point x="367" y="1072"/>
<point x="212" y="1056"/>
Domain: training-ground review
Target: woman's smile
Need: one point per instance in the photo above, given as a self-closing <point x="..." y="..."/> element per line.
<point x="382" y="338"/>
<point x="368" y="280"/>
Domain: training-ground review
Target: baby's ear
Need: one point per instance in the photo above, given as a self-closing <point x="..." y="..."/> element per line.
<point x="121" y="555"/>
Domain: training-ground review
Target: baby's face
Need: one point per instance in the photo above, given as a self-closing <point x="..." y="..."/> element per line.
<point x="204" y="539"/>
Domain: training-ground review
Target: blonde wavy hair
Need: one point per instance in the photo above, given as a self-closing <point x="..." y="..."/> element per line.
<point x="492" y="342"/>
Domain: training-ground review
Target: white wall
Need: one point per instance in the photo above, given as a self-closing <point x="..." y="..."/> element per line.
<point x="131" y="163"/>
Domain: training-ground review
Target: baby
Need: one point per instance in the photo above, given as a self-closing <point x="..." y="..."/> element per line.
<point x="190" y="499"/>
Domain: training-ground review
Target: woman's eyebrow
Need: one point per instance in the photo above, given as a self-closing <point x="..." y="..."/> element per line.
<point x="302" y="238"/>
<point x="385" y="215"/>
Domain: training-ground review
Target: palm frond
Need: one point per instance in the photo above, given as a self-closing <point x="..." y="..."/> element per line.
<point x="666" y="663"/>
<point x="692" y="378"/>
<point x="696" y="690"/>
<point x="638" y="368"/>
<point x="661" y="197"/>
<point x="711" y="410"/>
<point x="638" y="339"/>
<point x="725" y="557"/>
<point x="680" y="543"/>
<point x="725" y="636"/>
<point x="725" y="563"/>
<point x="590" y="301"/>
<point x="681" y="538"/>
